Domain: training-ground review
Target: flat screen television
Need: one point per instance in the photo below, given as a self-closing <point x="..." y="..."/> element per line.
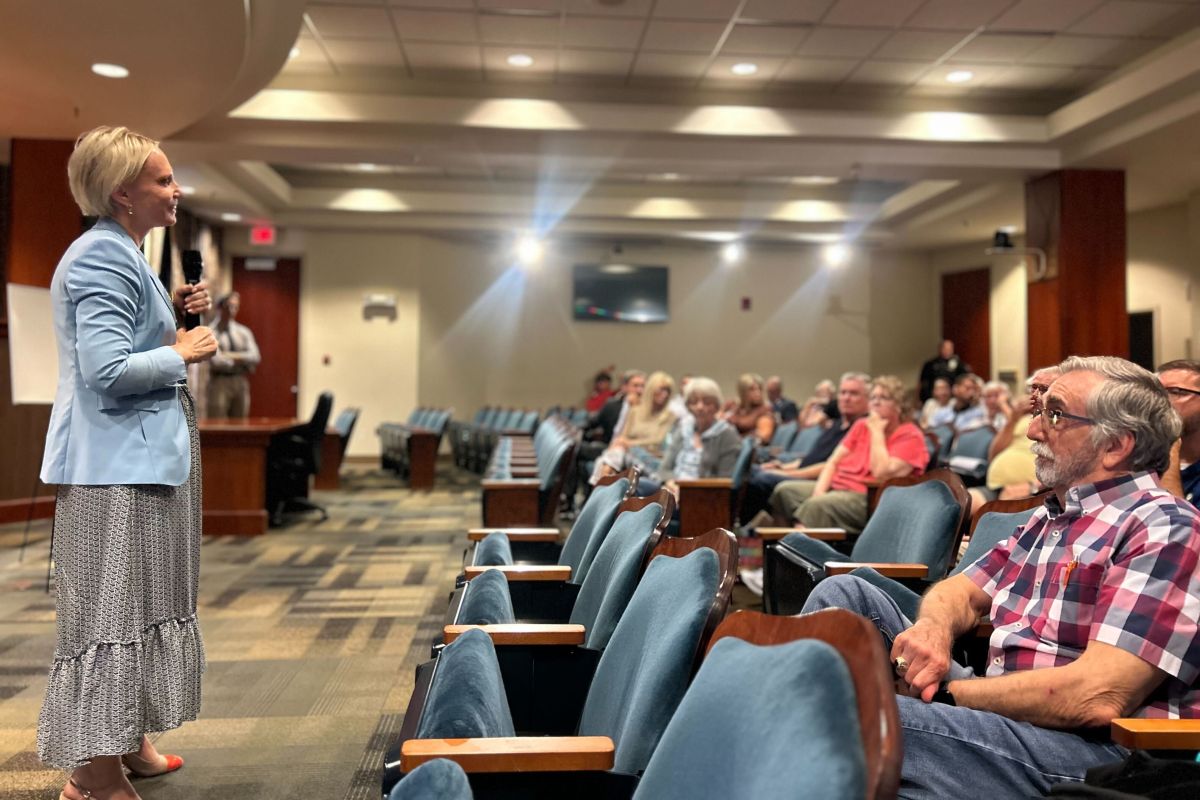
<point x="621" y="293"/>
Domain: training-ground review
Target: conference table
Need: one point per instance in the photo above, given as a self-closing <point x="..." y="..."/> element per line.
<point x="234" y="455"/>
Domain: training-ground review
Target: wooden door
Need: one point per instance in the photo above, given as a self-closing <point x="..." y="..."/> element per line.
<point x="271" y="309"/>
<point x="966" y="319"/>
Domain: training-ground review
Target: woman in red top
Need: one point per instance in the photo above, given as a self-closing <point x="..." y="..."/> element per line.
<point x="882" y="446"/>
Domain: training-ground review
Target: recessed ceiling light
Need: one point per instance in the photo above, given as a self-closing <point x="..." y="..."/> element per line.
<point x="960" y="76"/>
<point x="295" y="51"/>
<point x="520" y="60"/>
<point x="815" y="180"/>
<point x="836" y="254"/>
<point x="187" y="189"/>
<point x="744" y="68"/>
<point x="230" y="217"/>
<point x="731" y="253"/>
<point x="368" y="167"/>
<point x="529" y="249"/>
<point x="110" y="70"/>
<point x="666" y="176"/>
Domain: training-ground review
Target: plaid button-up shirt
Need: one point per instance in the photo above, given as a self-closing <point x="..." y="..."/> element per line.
<point x="1118" y="565"/>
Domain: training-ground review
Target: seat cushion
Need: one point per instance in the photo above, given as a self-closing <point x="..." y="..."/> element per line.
<point x="776" y="721"/>
<point x="486" y="601"/>
<point x="440" y="779"/>
<point x="644" y="670"/>
<point x="466" y="697"/>
<point x="992" y="529"/>
<point x="914" y="524"/>
<point x="493" y="550"/>
<point x="813" y="550"/>
<point x="613" y="575"/>
<point x="591" y="526"/>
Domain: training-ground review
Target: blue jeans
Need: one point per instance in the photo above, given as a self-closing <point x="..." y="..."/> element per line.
<point x="960" y="752"/>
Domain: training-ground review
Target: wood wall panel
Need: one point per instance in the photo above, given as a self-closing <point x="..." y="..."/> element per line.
<point x="967" y="318"/>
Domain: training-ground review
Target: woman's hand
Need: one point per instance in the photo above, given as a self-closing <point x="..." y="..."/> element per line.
<point x="876" y="423"/>
<point x="193" y="298"/>
<point x="198" y="344"/>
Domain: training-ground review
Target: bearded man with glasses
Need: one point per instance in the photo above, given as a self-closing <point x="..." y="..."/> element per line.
<point x="1094" y="602"/>
<point x="1181" y="379"/>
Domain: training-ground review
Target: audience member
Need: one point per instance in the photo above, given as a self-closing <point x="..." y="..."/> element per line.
<point x="884" y="445"/>
<point x="601" y="391"/>
<point x="645" y="428"/>
<point x="968" y="411"/>
<point x="751" y="415"/>
<point x="821" y="407"/>
<point x="997" y="404"/>
<point x="945" y="365"/>
<point x="1011" y="473"/>
<point x="678" y="403"/>
<point x="600" y="431"/>
<point x="938" y="409"/>
<point x="705" y="445"/>
<point x="785" y="409"/>
<point x="236" y="357"/>
<point x="852" y="405"/>
<point x="1093" y="603"/>
<point x="1182" y="382"/>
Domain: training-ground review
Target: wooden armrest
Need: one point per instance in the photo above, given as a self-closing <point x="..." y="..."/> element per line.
<point x="984" y="628"/>
<point x="511" y="484"/>
<point x="1157" y="734"/>
<point x="524" y="572"/>
<point x="520" y="633"/>
<point x="822" y="534"/>
<point x="513" y="754"/>
<point x="524" y="473"/>
<point x="883" y="568"/>
<point x="705" y="483"/>
<point x="516" y="534"/>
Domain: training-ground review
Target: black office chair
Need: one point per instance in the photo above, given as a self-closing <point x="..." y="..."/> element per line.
<point x="291" y="459"/>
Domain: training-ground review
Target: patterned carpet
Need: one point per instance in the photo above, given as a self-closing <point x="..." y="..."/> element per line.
<point x="312" y="631"/>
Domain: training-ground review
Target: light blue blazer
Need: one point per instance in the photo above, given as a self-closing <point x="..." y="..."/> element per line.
<point x="117" y="417"/>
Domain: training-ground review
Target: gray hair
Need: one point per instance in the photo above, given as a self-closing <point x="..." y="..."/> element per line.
<point x="855" y="376"/>
<point x="630" y="374"/>
<point x="997" y="385"/>
<point x="705" y="389"/>
<point x="1130" y="400"/>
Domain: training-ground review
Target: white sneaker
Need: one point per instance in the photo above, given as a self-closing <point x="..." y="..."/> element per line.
<point x="752" y="579"/>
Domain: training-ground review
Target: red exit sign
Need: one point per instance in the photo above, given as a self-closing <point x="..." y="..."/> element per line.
<point x="262" y="234"/>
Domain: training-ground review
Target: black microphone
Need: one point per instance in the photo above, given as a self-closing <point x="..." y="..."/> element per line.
<point x="193" y="267"/>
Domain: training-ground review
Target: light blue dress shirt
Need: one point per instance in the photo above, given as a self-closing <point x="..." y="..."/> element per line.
<point x="117" y="417"/>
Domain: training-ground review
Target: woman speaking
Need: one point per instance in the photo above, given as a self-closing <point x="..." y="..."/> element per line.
<point x="123" y="447"/>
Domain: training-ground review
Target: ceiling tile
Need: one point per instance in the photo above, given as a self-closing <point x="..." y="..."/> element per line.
<point x="468" y="4"/>
<point x="816" y="70"/>
<point x="1005" y="48"/>
<point x="917" y="45"/>
<point x="442" y="57"/>
<point x="522" y="5"/>
<point x="871" y="12"/>
<point x="766" y="40"/>
<point x="696" y="9"/>
<point x="594" y="62"/>
<point x="1039" y="15"/>
<point x="889" y="73"/>
<point x="436" y="26"/>
<point x="1026" y="77"/>
<point x="310" y="53"/>
<point x="669" y="65"/>
<point x="626" y="8"/>
<point x="1124" y="18"/>
<point x="841" y="42"/>
<point x="719" y="71"/>
<point x="508" y="29"/>
<point x="1080" y="51"/>
<point x="495" y="62"/>
<point x="686" y="37"/>
<point x="351" y="22"/>
<point x="786" y="10"/>
<point x="615" y="34"/>
<point x="365" y="52"/>
<point x="957" y="15"/>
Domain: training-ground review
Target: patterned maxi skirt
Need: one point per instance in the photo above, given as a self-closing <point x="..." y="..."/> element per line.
<point x="129" y="655"/>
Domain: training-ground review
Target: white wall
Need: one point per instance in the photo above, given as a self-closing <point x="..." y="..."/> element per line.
<point x="1160" y="275"/>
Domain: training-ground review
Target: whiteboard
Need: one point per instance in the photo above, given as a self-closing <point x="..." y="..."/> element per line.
<point x="33" y="356"/>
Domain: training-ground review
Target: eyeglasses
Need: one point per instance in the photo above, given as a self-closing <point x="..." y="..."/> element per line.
<point x="1180" y="392"/>
<point x="1053" y="415"/>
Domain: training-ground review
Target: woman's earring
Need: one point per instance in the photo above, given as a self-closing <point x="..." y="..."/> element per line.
<point x="131" y="211"/>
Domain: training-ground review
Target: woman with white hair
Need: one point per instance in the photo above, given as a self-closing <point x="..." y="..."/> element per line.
<point x="124" y="450"/>
<point x="703" y="446"/>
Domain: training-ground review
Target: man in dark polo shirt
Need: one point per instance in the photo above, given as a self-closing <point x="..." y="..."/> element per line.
<point x="852" y="404"/>
<point x="1181" y="379"/>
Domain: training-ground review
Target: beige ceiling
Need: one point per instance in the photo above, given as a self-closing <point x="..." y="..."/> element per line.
<point x="404" y="114"/>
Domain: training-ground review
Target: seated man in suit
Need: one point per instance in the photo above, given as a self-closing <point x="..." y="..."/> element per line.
<point x="1093" y="601"/>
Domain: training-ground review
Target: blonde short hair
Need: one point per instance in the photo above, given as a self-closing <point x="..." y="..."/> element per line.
<point x="894" y="387"/>
<point x="705" y="389"/>
<point x="105" y="159"/>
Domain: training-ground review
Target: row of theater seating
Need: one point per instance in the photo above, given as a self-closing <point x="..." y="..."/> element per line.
<point x="525" y="474"/>
<point x="410" y="448"/>
<point x="613" y="671"/>
<point x="471" y="443"/>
